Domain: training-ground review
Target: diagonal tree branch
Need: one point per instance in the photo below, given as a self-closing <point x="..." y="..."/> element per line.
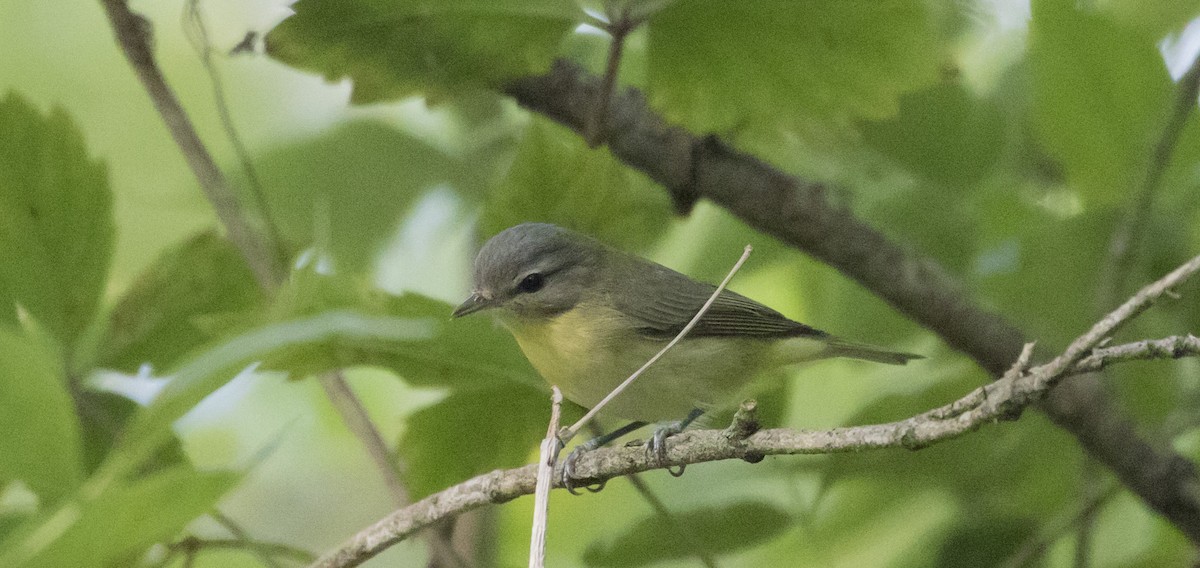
<point x="797" y="212"/>
<point x="985" y="405"/>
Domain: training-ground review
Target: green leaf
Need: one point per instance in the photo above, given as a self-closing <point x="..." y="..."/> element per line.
<point x="556" y="178"/>
<point x="471" y="432"/>
<point x="41" y="441"/>
<point x="401" y="48"/>
<point x="360" y="179"/>
<point x="983" y="542"/>
<point x="117" y="526"/>
<point x="717" y="65"/>
<point x="943" y="134"/>
<point x="212" y="368"/>
<point x="162" y="316"/>
<point x="56" y="226"/>
<point x="1101" y="92"/>
<point x="715" y="530"/>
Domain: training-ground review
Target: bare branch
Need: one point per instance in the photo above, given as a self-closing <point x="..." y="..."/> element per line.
<point x="133" y="34"/>
<point x="986" y="405"/>
<point x="1005" y="398"/>
<point x="547" y="458"/>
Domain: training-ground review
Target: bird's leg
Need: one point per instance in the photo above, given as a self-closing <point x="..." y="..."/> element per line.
<point x="568" y="471"/>
<point x="657" y="444"/>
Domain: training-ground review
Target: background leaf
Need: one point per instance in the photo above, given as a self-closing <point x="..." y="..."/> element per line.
<point x="717" y="66"/>
<point x="591" y="191"/>
<point x="116" y="527"/>
<point x="56" y="227"/>
<point x="1074" y="55"/>
<point x="162" y="317"/>
<point x="41" y="442"/>
<point x="472" y="432"/>
<point x="716" y="529"/>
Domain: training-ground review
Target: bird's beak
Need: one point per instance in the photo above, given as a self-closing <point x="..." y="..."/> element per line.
<point x="474" y="303"/>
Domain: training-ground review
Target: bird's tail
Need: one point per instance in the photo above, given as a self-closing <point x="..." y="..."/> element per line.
<point x="842" y="348"/>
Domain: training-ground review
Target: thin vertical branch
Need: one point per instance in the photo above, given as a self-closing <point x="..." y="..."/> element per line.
<point x="618" y="28"/>
<point x="547" y="458"/>
<point x="133" y="35"/>
<point x="198" y="36"/>
<point x="661" y="509"/>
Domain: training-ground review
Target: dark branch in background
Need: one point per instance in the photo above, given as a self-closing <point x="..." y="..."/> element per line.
<point x="133" y="34"/>
<point x="1033" y="551"/>
<point x="337" y="390"/>
<point x="262" y="254"/>
<point x="266" y="556"/>
<point x="797" y="212"/>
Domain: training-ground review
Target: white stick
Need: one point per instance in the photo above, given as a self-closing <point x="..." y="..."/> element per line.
<point x="574" y="429"/>
<point x="545" y="480"/>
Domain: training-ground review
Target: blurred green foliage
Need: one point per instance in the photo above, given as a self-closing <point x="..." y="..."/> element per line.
<point x="142" y="370"/>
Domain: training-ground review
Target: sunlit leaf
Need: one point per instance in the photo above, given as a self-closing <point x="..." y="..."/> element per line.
<point x="210" y="369"/>
<point x="56" y="226"/>
<point x="395" y="49"/>
<point x="347" y="190"/>
<point x="1155" y="17"/>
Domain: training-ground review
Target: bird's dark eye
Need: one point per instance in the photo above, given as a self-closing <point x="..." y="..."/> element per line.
<point x="532" y="283"/>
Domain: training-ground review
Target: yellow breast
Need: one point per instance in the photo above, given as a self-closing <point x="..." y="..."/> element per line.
<point x="565" y="346"/>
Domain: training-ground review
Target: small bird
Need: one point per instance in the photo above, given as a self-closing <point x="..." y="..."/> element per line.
<point x="587" y="315"/>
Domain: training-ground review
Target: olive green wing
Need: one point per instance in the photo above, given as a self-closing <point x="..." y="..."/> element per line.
<point x="664" y="301"/>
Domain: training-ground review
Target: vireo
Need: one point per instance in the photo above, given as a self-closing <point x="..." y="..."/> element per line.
<point x="588" y="315"/>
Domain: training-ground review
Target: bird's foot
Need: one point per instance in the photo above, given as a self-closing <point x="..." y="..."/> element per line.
<point x="568" y="470"/>
<point x="656" y="446"/>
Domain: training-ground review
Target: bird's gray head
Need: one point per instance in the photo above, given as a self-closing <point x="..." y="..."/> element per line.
<point x="536" y="270"/>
